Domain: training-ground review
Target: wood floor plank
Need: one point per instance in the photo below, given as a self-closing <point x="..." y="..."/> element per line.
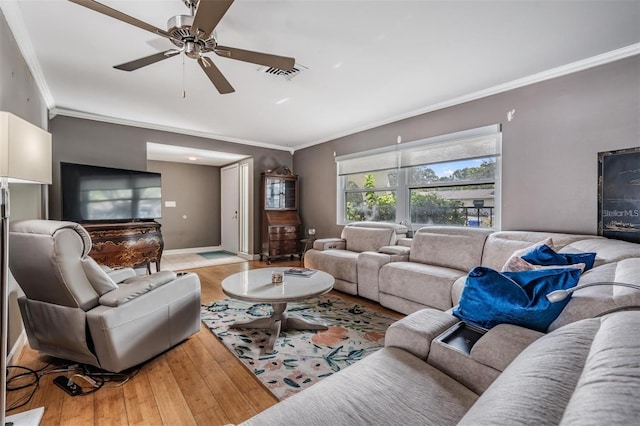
<point x="171" y="403"/>
<point x="78" y="410"/>
<point x="231" y="398"/>
<point x="140" y="402"/>
<point x="198" y="382"/>
<point x="191" y="383"/>
<point x="110" y="408"/>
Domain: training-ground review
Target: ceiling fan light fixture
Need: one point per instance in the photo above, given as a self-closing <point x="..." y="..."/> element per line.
<point x="193" y="50"/>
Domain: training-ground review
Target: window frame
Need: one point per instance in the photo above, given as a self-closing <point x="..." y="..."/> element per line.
<point x="403" y="187"/>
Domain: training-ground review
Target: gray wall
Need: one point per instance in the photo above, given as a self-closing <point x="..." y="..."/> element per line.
<point x="199" y="202"/>
<point x="77" y="140"/>
<point x="549" y="174"/>
<point x="19" y="95"/>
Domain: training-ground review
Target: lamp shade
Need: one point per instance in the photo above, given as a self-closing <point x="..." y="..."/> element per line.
<point x="25" y="151"/>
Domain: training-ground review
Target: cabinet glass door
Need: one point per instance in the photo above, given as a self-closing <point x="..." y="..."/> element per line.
<point x="273" y="193"/>
<point x="289" y="194"/>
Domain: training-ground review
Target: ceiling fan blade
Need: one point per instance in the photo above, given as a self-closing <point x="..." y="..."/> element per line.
<point x="280" y="62"/>
<point x="208" y="14"/>
<point x="147" y="60"/>
<point x="215" y="76"/>
<point x="106" y="10"/>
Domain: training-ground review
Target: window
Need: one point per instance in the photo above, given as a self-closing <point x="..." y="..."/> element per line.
<point x="446" y="180"/>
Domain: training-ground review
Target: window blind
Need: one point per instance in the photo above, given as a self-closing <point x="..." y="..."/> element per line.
<point x="474" y="143"/>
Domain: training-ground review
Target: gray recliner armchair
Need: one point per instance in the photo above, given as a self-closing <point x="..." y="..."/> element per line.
<point x="77" y="310"/>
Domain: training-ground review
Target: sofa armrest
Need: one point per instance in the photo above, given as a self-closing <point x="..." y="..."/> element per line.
<point x="329" y="243"/>
<point x="405" y="242"/>
<point x="135" y="287"/>
<point x="396" y="250"/>
<point x="500" y="345"/>
<point x="368" y="268"/>
<point x="415" y="332"/>
<point x="488" y="357"/>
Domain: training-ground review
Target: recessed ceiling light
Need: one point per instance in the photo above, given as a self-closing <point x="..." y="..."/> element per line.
<point x="281" y="101"/>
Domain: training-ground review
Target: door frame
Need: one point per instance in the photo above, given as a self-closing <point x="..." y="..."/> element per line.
<point x="246" y="203"/>
<point x="229" y="214"/>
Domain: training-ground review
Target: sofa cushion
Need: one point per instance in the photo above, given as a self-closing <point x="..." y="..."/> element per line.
<point x="607" y="250"/>
<point x="341" y="264"/>
<point x="389" y="387"/>
<point x="366" y="239"/>
<point x="593" y="301"/>
<point x="490" y="298"/>
<point x="568" y="377"/>
<point x="428" y="285"/>
<point x="449" y="247"/>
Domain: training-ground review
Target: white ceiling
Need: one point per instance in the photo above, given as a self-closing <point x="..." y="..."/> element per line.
<point x="367" y="62"/>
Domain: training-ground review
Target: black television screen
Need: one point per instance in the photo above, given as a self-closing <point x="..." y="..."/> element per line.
<point x="92" y="193"/>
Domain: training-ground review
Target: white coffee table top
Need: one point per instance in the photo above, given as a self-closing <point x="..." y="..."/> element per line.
<point x="255" y="286"/>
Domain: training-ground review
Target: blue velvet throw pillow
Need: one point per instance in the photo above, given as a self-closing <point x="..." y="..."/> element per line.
<point x="490" y="297"/>
<point x="546" y="256"/>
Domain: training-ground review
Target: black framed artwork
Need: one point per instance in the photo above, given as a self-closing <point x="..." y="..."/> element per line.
<point x="619" y="194"/>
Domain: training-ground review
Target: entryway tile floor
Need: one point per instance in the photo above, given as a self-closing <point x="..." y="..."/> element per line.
<point x="178" y="262"/>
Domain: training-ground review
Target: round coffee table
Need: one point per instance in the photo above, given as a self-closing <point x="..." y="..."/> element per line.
<point x="255" y="286"/>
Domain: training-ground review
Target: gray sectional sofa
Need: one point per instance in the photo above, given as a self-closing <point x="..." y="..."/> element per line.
<point x="585" y="373"/>
<point x="429" y="270"/>
<point x="436" y="370"/>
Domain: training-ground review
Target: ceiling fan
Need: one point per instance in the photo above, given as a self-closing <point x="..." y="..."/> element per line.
<point x="193" y="35"/>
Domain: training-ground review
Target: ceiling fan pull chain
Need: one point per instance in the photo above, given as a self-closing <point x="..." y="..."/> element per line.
<point x="184" y="92"/>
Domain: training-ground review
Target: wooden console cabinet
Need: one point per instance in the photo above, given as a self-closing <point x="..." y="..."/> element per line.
<point x="281" y="225"/>
<point x="129" y="244"/>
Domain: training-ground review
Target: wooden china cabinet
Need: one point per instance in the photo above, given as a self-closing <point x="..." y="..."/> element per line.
<point x="280" y="221"/>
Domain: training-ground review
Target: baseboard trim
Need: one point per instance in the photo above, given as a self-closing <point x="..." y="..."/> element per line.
<point x="17" y="347"/>
<point x="192" y="250"/>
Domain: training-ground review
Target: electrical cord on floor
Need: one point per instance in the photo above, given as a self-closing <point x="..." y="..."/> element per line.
<point x="32" y="380"/>
<point x="29" y="378"/>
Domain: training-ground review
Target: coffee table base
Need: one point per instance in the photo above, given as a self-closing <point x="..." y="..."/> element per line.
<point x="277" y="322"/>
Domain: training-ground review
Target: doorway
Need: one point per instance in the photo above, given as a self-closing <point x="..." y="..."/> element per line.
<point x="237" y="208"/>
<point x="230" y="206"/>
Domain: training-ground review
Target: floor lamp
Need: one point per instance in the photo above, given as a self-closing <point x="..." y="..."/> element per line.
<point x="25" y="157"/>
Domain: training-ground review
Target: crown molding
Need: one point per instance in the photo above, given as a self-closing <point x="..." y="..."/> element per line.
<point x="594" y="61"/>
<point x="144" y="125"/>
<point x="14" y="18"/>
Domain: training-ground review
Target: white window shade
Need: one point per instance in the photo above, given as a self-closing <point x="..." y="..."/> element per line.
<point x="367" y="163"/>
<point x="467" y="144"/>
<point x="441" y="152"/>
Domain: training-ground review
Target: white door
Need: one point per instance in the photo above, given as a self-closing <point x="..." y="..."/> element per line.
<point x="230" y="230"/>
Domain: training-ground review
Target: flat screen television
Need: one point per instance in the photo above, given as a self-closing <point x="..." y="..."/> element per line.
<point x="92" y="193"/>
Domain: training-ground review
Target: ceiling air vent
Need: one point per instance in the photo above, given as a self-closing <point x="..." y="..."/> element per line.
<point x="288" y="74"/>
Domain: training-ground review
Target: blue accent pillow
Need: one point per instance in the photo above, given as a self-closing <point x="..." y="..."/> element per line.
<point x="490" y="297"/>
<point x="546" y="256"/>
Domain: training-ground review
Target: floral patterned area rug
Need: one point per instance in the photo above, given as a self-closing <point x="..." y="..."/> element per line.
<point x="300" y="358"/>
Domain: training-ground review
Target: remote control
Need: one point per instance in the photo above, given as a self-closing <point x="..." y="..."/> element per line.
<point x="68" y="385"/>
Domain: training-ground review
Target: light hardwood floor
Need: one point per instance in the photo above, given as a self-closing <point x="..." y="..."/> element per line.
<point x="198" y="382"/>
